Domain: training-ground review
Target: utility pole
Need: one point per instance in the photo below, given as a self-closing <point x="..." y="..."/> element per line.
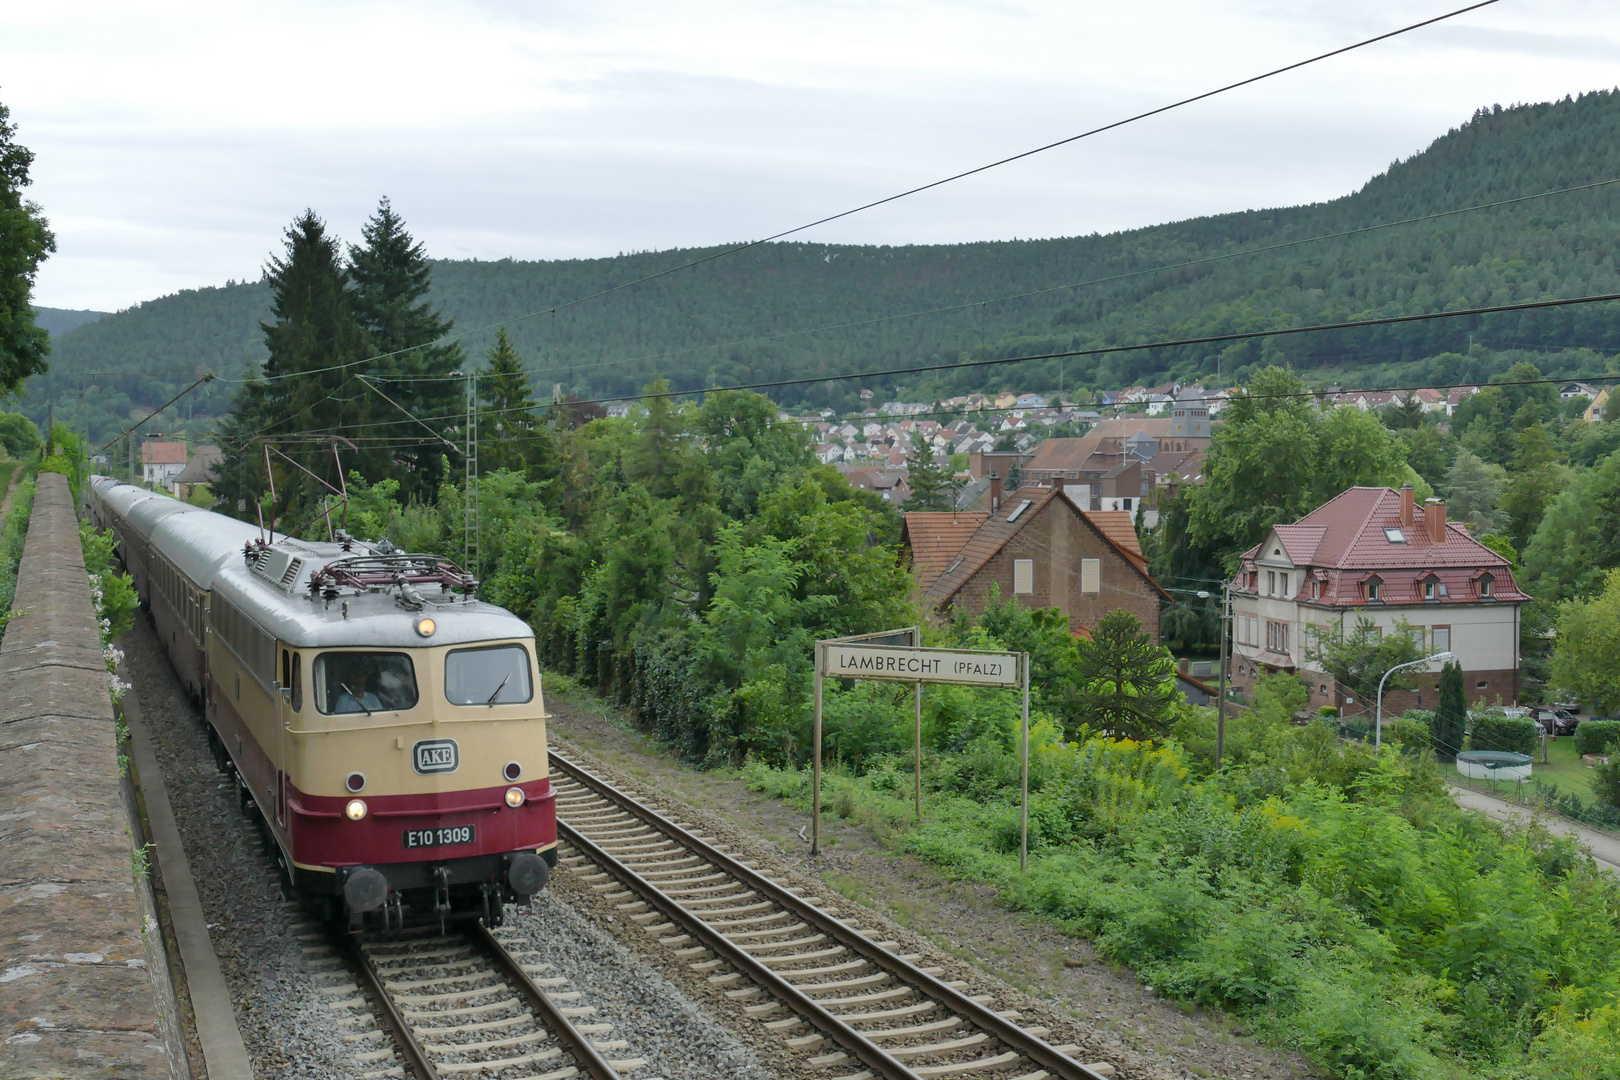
<point x="471" y="498"/>
<point x="1220" y="706"/>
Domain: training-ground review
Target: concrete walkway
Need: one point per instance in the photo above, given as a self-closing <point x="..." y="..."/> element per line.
<point x="1604" y="848"/>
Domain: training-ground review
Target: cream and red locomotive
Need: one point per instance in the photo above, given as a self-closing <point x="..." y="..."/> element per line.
<point x="385" y="723"/>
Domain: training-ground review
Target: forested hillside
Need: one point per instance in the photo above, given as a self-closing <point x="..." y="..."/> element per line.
<point x="755" y="316"/>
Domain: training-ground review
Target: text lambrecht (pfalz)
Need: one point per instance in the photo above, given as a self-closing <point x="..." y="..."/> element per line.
<point x="919" y="665"/>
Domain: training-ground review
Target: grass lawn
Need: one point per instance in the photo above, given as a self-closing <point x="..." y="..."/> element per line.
<point x="1564" y="770"/>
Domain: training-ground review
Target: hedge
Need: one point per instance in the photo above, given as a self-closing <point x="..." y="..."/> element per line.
<point x="1597" y="736"/>
<point x="1516" y="735"/>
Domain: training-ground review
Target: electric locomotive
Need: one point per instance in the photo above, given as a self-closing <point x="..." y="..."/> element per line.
<point x="386" y="724"/>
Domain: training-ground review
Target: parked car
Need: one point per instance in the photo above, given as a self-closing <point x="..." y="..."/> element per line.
<point x="1554" y="720"/>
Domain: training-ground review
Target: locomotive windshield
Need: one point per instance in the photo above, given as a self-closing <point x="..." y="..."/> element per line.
<point x="497" y="675"/>
<point x="364" y="682"/>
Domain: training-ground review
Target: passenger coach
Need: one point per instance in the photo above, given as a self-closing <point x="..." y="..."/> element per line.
<point x="386" y="724"/>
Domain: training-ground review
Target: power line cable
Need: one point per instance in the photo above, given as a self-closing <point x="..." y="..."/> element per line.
<point x="1110" y="279"/>
<point x="1105" y="350"/>
<point x="976" y="170"/>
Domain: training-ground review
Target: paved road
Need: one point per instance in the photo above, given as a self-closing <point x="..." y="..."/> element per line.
<point x="1604" y="848"/>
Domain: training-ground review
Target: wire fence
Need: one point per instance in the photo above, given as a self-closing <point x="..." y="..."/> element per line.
<point x="1553" y="795"/>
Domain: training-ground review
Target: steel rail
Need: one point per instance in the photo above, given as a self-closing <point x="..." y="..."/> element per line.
<point x="416" y="1056"/>
<point x="982" y="1016"/>
<point x="870" y="1054"/>
<point x="584" y="1052"/>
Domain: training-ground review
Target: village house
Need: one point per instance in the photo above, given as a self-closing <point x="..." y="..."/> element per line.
<point x="161" y="462"/>
<point x="887" y="482"/>
<point x="1372" y="552"/>
<point x="1036" y="546"/>
<point x="198" y="471"/>
<point x="1457" y="395"/>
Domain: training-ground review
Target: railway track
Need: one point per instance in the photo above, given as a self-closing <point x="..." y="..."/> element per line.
<point x="460" y="1004"/>
<point x="853" y="1004"/>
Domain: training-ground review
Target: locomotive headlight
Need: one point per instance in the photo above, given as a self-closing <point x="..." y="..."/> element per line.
<point x="515" y="797"/>
<point x="355" y="810"/>
<point x="425" y="627"/>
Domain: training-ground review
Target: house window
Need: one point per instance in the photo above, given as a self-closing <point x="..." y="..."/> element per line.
<point x="1441" y="636"/>
<point x="1276" y="636"/>
<point x="1485" y="583"/>
<point x="1429" y="589"/>
<point x="1322" y="689"/>
<point x="1374" y="587"/>
<point x="1376" y="633"/>
<point x="1271" y="582"/>
<point x="1285" y="591"/>
<point x="1482" y="685"/>
<point x="1023" y="577"/>
<point x="1125" y="504"/>
<point x="1091" y="576"/>
<point x="1395" y="536"/>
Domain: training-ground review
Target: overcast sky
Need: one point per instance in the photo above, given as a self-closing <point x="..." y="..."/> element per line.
<point x="175" y="140"/>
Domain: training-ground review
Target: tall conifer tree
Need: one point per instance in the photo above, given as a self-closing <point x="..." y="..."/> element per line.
<point x="508" y="436"/>
<point x="316" y="347"/>
<point x="1451" y="716"/>
<point x="390" y="277"/>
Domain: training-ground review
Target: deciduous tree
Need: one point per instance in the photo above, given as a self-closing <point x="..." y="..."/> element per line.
<point x="1586" y="658"/>
<point x="26" y="241"/>
<point x="1278" y="456"/>
<point x="1359" y="659"/>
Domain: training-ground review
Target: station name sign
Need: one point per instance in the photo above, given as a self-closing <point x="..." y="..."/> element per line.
<point x="919" y="665"/>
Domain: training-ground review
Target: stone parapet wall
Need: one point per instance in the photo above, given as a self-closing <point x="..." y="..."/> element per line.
<point x="76" y="993"/>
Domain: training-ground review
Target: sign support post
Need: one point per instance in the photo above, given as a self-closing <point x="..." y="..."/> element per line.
<point x="815" y="768"/>
<point x="916" y="786"/>
<point x="1023" y="809"/>
<point x="898" y="656"/>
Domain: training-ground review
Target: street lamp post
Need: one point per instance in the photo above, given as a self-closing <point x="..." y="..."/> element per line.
<point x="1220" y="703"/>
<point x="1378" y="724"/>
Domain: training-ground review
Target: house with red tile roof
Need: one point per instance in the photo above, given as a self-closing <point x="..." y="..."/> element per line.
<point x="1371" y="551"/>
<point x="161" y="462"/>
<point x="1037" y="546"/>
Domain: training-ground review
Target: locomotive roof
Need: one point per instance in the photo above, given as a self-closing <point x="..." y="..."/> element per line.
<point x="209" y="548"/>
<point x="372" y="618"/>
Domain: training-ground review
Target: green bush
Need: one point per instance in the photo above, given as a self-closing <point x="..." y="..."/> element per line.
<point x="1493" y="731"/>
<point x="1410" y="732"/>
<point x="1606" y="783"/>
<point x="1597" y="736"/>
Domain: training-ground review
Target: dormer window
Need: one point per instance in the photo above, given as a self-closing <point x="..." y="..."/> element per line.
<point x="1434" y="588"/>
<point x="1375" y="590"/>
<point x="1486" y="581"/>
<point x="1428" y="589"/>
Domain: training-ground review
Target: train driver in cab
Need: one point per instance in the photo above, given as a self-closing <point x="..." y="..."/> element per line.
<point x="353" y="696"/>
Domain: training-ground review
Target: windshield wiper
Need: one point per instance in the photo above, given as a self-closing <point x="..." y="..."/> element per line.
<point x="356" y="698"/>
<point x="490" y="701"/>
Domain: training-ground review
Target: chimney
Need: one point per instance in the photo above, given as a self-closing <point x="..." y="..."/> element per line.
<point x="1406" y="505"/>
<point x="995" y="492"/>
<point x="1434" y="519"/>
